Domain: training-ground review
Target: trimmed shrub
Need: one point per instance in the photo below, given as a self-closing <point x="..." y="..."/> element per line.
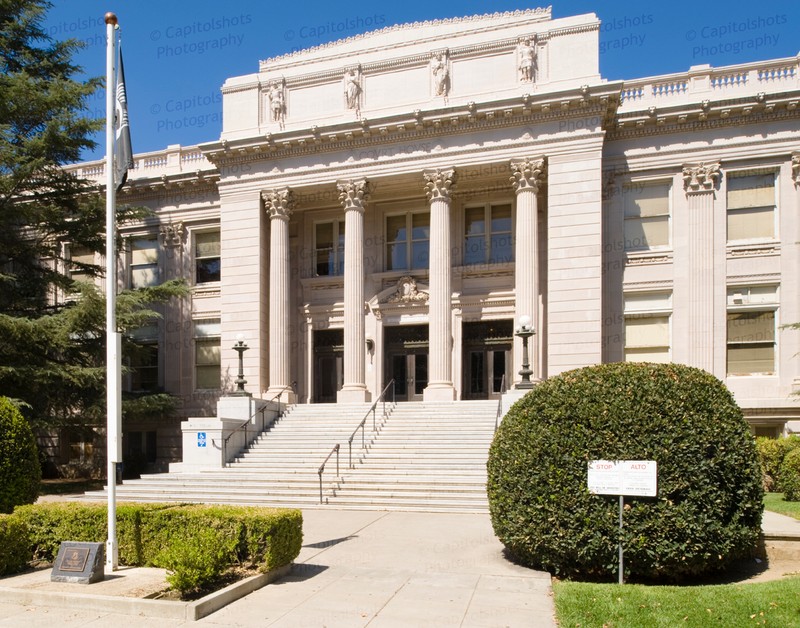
<point x="790" y="476"/>
<point x="20" y="472"/>
<point x="14" y="542"/>
<point x="196" y="542"/>
<point x="707" y="513"/>
<point x="771" y="452"/>
<point x="197" y="560"/>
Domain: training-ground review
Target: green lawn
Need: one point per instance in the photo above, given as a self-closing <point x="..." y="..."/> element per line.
<point x="586" y="605"/>
<point x="775" y="503"/>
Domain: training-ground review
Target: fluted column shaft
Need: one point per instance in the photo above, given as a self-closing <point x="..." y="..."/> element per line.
<point x="279" y="205"/>
<point x="699" y="181"/>
<point x="528" y="176"/>
<point x="440" y="333"/>
<point x="353" y="196"/>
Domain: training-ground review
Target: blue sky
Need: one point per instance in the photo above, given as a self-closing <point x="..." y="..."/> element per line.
<point x="179" y="53"/>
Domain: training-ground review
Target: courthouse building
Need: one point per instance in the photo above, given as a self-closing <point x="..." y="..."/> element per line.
<point x="388" y="206"/>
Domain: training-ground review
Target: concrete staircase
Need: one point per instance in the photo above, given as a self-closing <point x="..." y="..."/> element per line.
<point x="424" y="457"/>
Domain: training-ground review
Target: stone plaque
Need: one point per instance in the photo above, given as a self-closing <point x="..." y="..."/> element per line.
<point x="80" y="563"/>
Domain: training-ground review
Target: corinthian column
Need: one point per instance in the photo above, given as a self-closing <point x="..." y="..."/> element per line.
<point x="353" y="195"/>
<point x="528" y="176"/>
<point x="699" y="181"/>
<point x="440" y="334"/>
<point x="279" y="205"/>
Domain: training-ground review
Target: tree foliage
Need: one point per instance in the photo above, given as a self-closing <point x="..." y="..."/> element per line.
<point x="52" y="329"/>
<point x="19" y="459"/>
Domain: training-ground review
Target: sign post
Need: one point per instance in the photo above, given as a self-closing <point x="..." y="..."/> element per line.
<point x="636" y="478"/>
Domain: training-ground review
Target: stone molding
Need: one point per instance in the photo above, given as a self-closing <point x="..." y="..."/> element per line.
<point x="279" y="203"/>
<point x="438" y="183"/>
<point x="172" y="234"/>
<point x="700" y="177"/>
<point x="528" y="174"/>
<point x="796" y="167"/>
<point x="353" y="194"/>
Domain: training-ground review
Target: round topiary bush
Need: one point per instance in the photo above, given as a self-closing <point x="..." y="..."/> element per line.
<point x="790" y="476"/>
<point x="707" y="513"/>
<point x="19" y="459"/>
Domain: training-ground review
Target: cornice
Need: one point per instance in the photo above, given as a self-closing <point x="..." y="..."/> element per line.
<point x="598" y="101"/>
<point x="542" y="14"/>
<point x="705" y="115"/>
<point x="205" y="181"/>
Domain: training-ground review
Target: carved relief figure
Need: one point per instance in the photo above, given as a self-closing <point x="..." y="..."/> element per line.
<point x="352" y="91"/>
<point x="527" y="60"/>
<point x="277" y="103"/>
<point x="441" y="74"/>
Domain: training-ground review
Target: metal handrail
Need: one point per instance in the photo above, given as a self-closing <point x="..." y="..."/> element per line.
<point x="249" y="419"/>
<point x="381" y="397"/>
<point x="500" y="402"/>
<point x="322" y="468"/>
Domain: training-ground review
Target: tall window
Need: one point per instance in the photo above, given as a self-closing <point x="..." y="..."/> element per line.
<point x="329" y="248"/>
<point x="408" y="241"/>
<point x="144" y="359"/>
<point x="751" y="330"/>
<point x="144" y="262"/>
<point x="647" y="327"/>
<point x="207" y="257"/>
<point x="751" y="207"/>
<point x="81" y="258"/>
<point x="646" y="216"/>
<point x="487" y="234"/>
<point x="207" y="355"/>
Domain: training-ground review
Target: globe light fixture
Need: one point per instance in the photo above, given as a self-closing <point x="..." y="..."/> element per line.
<point x="240" y="347"/>
<point x="525" y="331"/>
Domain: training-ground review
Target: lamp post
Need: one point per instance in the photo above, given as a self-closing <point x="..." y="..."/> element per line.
<point x="240" y="347"/>
<point x="525" y="331"/>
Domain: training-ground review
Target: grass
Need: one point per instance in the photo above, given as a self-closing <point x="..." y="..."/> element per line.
<point x="587" y="605"/>
<point x="775" y="503"/>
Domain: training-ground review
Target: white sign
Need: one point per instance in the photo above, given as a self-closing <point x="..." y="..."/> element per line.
<point x="638" y="478"/>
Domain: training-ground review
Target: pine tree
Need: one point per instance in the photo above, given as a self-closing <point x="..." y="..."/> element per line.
<point x="52" y="349"/>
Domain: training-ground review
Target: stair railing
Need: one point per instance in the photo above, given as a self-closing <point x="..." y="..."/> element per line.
<point x="322" y="468"/>
<point x="500" y="402"/>
<point x="244" y="424"/>
<point x="382" y="398"/>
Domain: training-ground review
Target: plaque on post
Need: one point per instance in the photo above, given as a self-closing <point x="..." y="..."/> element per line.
<point x="79" y="563"/>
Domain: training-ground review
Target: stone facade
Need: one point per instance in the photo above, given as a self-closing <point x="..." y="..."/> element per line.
<point x="386" y="207"/>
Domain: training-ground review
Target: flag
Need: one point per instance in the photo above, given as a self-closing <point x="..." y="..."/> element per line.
<point x="123" y="153"/>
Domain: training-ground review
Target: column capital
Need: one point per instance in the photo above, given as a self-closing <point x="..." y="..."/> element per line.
<point x="796" y="167"/>
<point x="528" y="174"/>
<point x="353" y="194"/>
<point x="279" y="203"/>
<point x="438" y="183"/>
<point x="172" y="234"/>
<point x="700" y="177"/>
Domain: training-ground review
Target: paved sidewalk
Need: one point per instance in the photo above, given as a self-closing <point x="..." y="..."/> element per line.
<point x="374" y="569"/>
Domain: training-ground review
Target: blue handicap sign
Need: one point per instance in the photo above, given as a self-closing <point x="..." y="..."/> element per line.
<point x="201" y="439"/>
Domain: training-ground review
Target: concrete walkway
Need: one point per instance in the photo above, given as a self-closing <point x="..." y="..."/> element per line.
<point x="374" y="569"/>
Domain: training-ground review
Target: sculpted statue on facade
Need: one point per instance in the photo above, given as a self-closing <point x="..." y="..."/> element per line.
<point x="407" y="291"/>
<point x="441" y="74"/>
<point x="527" y="60"/>
<point x="277" y="102"/>
<point x="352" y="90"/>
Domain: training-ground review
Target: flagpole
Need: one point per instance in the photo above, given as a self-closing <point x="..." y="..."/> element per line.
<point x="113" y="339"/>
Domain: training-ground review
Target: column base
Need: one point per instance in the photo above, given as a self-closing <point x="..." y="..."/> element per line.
<point x="352" y="394"/>
<point x="287" y="395"/>
<point x="439" y="392"/>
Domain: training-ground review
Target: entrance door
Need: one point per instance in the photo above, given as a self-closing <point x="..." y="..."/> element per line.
<point x="328" y="364"/>
<point x="410" y="374"/>
<point x="407" y="360"/>
<point x="486" y="358"/>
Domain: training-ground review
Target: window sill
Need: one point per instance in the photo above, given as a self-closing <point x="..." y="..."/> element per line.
<point x="753" y="249"/>
<point x="650" y="256"/>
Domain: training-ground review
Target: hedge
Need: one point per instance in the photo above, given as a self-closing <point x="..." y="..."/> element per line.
<point x="169" y="535"/>
<point x="14" y="539"/>
<point x="707" y="512"/>
<point x="771" y="452"/>
<point x="790" y="476"/>
<point x="20" y="472"/>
